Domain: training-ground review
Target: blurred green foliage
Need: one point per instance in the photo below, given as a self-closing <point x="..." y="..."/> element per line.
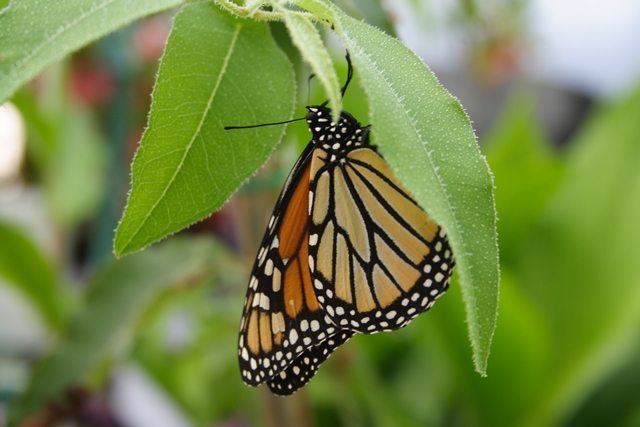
<point x="66" y="149"/>
<point x="114" y="304"/>
<point x="24" y="266"/>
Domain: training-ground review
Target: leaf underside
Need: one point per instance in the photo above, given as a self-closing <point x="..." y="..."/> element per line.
<point x="427" y="138"/>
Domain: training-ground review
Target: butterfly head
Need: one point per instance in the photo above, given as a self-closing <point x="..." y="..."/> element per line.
<point x="324" y="129"/>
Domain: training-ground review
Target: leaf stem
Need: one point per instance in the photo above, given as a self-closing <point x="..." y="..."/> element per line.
<point x="254" y="10"/>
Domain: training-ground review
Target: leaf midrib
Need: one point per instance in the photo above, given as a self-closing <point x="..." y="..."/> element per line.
<point x="192" y="140"/>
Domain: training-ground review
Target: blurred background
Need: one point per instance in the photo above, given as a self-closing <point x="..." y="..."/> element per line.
<point x="553" y="89"/>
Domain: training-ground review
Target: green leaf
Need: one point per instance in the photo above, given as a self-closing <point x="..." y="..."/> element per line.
<point x="216" y="71"/>
<point x="25" y="267"/>
<point x="35" y="33"/>
<point x="307" y="39"/>
<point x="117" y="299"/>
<point x="428" y="140"/>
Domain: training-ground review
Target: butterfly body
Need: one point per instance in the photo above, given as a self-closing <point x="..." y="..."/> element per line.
<point x="347" y="250"/>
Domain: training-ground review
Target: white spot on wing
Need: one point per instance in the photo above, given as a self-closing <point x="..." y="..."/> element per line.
<point x="293" y="336"/>
<point x="268" y="268"/>
<point x="264" y="301"/>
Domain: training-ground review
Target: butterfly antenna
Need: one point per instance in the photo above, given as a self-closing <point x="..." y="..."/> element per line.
<point x="346" y="83"/>
<point x="349" y="74"/>
<point x="264" y="124"/>
<point x="342" y="92"/>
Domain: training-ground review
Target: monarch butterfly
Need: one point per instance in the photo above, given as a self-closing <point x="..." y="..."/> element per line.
<point x="346" y="250"/>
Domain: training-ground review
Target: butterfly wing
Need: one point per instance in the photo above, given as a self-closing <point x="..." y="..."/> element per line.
<point x="304" y="367"/>
<point x="282" y="317"/>
<point x="378" y="260"/>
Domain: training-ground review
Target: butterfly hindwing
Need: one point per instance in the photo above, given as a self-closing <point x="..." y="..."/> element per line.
<point x="378" y="259"/>
<point x="304" y="367"/>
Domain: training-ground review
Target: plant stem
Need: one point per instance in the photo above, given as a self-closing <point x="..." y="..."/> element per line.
<point x="255" y="11"/>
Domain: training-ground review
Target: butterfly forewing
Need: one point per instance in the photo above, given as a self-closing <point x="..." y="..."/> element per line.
<point x="282" y="317"/>
<point x="378" y="259"/>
